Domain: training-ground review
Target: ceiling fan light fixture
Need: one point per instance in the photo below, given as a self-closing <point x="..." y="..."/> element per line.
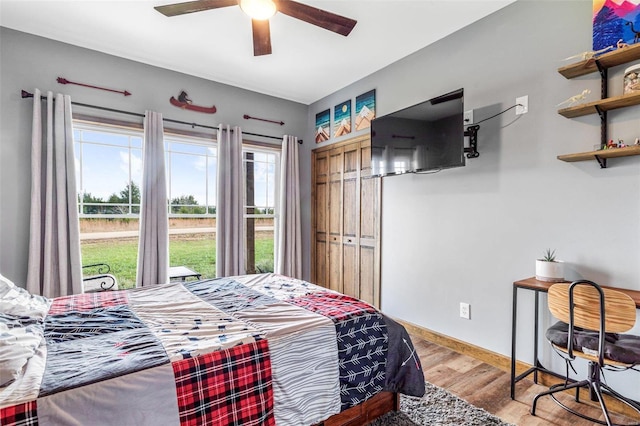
<point x="258" y="9"/>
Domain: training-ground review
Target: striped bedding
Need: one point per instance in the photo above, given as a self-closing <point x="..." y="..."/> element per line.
<point x="249" y="350"/>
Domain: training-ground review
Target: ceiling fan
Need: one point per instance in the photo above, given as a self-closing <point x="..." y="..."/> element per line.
<point x="260" y="11"/>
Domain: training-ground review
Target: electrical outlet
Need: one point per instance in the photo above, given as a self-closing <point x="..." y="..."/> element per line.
<point x="465" y="310"/>
<point x="468" y="118"/>
<point x="522" y="105"/>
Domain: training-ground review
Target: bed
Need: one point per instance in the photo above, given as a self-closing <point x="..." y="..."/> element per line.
<point x="252" y="350"/>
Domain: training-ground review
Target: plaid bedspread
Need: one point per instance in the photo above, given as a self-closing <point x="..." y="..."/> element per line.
<point x="250" y="350"/>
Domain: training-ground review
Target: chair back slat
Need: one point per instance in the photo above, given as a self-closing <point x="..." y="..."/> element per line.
<point x="620" y="309"/>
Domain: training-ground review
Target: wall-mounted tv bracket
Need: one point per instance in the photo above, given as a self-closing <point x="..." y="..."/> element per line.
<point x="472" y="133"/>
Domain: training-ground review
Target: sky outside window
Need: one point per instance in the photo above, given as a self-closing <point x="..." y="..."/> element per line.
<point x="108" y="159"/>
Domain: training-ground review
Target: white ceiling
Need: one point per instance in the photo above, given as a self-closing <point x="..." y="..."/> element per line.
<point x="307" y="64"/>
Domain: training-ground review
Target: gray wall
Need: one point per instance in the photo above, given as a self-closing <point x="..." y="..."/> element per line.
<point x="464" y="235"/>
<point x="29" y="62"/>
<point x="459" y="235"/>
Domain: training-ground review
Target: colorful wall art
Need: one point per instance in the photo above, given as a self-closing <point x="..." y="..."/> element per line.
<point x="615" y="21"/>
<point x="323" y="122"/>
<point x="342" y="119"/>
<point x="365" y="109"/>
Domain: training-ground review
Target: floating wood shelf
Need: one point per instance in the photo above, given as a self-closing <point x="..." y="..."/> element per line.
<point x="601" y="155"/>
<point x="607" y="60"/>
<point x="606" y="104"/>
<point x="601" y="65"/>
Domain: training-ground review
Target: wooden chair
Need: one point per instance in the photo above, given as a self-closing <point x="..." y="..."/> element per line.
<point x="590" y="318"/>
<point x="99" y="279"/>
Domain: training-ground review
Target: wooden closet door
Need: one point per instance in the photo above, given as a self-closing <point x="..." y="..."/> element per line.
<point x="350" y="219"/>
<point x="369" y="242"/>
<point x="320" y="224"/>
<point x="346" y="220"/>
<point x="335" y="219"/>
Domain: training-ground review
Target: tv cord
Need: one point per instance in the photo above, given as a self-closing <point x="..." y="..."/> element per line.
<point x="500" y="113"/>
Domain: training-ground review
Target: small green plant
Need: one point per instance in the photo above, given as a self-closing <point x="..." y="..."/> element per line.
<point x="264" y="266"/>
<point x="549" y="255"/>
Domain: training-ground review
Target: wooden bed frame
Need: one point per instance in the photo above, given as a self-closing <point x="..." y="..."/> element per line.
<point x="366" y="412"/>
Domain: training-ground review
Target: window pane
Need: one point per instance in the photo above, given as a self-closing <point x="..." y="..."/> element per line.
<point x="260" y="180"/>
<point x="186" y="148"/>
<point x="105" y="138"/>
<point x="104" y="176"/>
<point x="192" y="178"/>
<point x="188" y="185"/>
<point x="191" y="181"/>
<point x="109" y="172"/>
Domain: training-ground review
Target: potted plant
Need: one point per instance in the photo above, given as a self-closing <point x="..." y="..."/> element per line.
<point x="549" y="269"/>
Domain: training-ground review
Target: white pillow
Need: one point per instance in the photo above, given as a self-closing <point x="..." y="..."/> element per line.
<point x="19" y="302"/>
<point x="17" y="345"/>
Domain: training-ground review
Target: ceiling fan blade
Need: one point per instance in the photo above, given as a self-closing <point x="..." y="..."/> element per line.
<point x="261" y="37"/>
<point x="321" y="18"/>
<point x="193" y="6"/>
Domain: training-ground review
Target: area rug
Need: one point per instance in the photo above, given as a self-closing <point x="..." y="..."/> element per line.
<point x="437" y="407"/>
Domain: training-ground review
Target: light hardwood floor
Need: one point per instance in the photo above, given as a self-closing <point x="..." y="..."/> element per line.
<point x="488" y="387"/>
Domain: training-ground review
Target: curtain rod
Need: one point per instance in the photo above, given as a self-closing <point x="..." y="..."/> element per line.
<point x="26" y="95"/>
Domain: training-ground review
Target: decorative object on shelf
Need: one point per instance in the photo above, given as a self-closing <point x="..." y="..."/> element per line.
<point x="260" y="11"/>
<point x="63" y="80"/>
<point x="184" y="102"/>
<point x="613" y="145"/>
<point x="636" y="34"/>
<point x="342" y="119"/>
<point x="549" y="269"/>
<point x="248" y="117"/>
<point x="613" y="21"/>
<point x="632" y="79"/>
<point x="575" y="99"/>
<point x="323" y="121"/>
<point x="589" y="54"/>
<point x="637" y="141"/>
<point x="365" y="110"/>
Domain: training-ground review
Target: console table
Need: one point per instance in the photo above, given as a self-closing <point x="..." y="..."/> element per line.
<point x="538" y="287"/>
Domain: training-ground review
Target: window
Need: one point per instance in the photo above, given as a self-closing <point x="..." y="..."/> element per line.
<point x="109" y="175"/>
<point x="261" y="167"/>
<point x="191" y="165"/>
<point x="108" y="171"/>
<point x="191" y="175"/>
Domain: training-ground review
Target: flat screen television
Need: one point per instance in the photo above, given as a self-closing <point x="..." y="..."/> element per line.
<point x="425" y="137"/>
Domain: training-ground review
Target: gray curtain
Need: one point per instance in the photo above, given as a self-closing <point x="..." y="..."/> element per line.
<point x="288" y="245"/>
<point x="153" y="248"/>
<point x="55" y="266"/>
<point x="230" y="231"/>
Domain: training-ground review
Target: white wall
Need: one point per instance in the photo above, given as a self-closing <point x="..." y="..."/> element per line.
<point x="29" y="61"/>
<point x="464" y="235"/>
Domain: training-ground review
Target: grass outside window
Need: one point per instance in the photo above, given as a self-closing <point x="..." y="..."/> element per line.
<point x="195" y="251"/>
